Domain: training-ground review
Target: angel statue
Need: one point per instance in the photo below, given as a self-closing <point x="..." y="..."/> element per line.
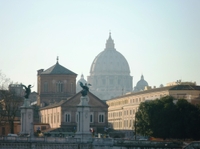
<point x="27" y="90"/>
<point x="85" y="88"/>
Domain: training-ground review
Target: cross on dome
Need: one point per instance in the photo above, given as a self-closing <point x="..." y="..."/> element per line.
<point x="57" y="59"/>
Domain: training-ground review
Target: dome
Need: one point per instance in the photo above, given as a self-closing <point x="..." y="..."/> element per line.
<point x="141" y="84"/>
<point x="78" y="87"/>
<point x="110" y="61"/>
<point x="110" y="73"/>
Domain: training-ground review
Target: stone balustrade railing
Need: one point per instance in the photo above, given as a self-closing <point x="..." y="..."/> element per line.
<point x="40" y="139"/>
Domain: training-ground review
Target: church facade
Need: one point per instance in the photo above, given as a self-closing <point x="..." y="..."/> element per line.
<point x="110" y="73"/>
<point x="63" y="115"/>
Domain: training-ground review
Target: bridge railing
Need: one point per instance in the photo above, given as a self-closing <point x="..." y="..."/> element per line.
<point x="40" y="139"/>
<point x="94" y="141"/>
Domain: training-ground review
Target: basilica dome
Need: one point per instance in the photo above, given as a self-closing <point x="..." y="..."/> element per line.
<point x="110" y="61"/>
<point x="110" y="73"/>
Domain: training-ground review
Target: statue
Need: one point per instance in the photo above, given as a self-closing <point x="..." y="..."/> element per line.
<point x="27" y="90"/>
<point x="85" y="88"/>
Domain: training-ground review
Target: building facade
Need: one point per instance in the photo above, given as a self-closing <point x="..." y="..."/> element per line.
<point x="110" y="73"/>
<point x="121" y="111"/>
<point x="64" y="114"/>
<point x="54" y="84"/>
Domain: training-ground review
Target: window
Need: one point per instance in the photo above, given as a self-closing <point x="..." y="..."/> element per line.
<point x="51" y="118"/>
<point x="45" y="87"/>
<point x="68" y="117"/>
<point x="103" y="81"/>
<point x="59" y="86"/>
<point x="3" y="131"/>
<point x="71" y="87"/>
<point x="111" y="81"/>
<point x="77" y="117"/>
<point x="91" y="118"/>
<point x="57" y="117"/>
<point x="48" y="118"/>
<point x="44" y="119"/>
<point x="101" y="117"/>
<point x="54" y="118"/>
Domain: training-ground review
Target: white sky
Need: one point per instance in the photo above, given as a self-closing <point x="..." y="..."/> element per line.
<point x="159" y="38"/>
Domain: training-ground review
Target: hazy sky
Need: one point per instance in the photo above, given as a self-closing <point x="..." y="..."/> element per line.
<point x="159" y="38"/>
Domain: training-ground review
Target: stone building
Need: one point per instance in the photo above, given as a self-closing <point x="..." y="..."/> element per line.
<point x="110" y="73"/>
<point x="121" y="111"/>
<point x="54" y="84"/>
<point x="62" y="115"/>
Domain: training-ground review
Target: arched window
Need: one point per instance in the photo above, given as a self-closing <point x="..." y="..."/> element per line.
<point x="67" y="117"/>
<point x="91" y="117"/>
<point x="59" y="86"/>
<point x="101" y="117"/>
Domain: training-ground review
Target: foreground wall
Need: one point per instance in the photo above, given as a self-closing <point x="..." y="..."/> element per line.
<point x="75" y="143"/>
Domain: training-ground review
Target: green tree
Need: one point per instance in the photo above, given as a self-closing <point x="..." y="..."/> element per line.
<point x="163" y="118"/>
<point x="188" y="119"/>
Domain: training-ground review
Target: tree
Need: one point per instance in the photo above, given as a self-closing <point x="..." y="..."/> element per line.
<point x="9" y="103"/>
<point x="4" y="81"/>
<point x="10" y="108"/>
<point x="163" y="119"/>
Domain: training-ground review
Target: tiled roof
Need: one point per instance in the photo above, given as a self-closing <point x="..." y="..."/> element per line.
<point x="58" y="69"/>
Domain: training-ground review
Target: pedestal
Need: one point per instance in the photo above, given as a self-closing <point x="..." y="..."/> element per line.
<point x="83" y="120"/>
<point x="26" y="118"/>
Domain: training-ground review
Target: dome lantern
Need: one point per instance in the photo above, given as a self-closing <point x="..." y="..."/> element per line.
<point x="110" y="43"/>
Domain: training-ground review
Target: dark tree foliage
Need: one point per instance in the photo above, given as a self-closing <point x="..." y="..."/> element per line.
<point x="10" y="108"/>
<point x="163" y="118"/>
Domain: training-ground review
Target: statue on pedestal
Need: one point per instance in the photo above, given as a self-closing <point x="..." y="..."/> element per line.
<point x="27" y="90"/>
<point x="85" y="88"/>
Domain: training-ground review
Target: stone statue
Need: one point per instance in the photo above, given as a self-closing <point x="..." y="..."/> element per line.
<point x="27" y="90"/>
<point x="85" y="88"/>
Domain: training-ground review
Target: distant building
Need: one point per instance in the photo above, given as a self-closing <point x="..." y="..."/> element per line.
<point x="17" y="88"/>
<point x="110" y="73"/>
<point x="63" y="115"/>
<point x="121" y="111"/>
<point x="54" y="84"/>
<point x="179" y="82"/>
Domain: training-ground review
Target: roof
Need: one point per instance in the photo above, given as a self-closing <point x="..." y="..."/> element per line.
<point x="71" y="98"/>
<point x="58" y="69"/>
<point x="176" y="87"/>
